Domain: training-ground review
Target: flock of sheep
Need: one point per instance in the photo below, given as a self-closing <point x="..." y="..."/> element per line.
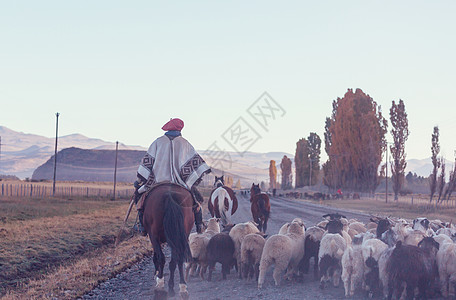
<point x="385" y="257"/>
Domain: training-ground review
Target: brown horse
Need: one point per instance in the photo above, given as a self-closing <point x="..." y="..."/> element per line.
<point x="260" y="207"/>
<point x="222" y="202"/>
<point x="168" y="217"/>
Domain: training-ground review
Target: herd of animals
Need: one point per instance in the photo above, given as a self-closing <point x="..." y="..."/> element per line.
<point x="393" y="258"/>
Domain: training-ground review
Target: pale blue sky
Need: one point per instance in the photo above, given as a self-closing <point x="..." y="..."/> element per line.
<point x="118" y="70"/>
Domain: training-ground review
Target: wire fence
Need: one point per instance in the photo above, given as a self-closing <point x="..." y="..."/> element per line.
<point x="67" y="191"/>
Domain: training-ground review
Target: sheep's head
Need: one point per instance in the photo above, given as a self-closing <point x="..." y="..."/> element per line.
<point x="334" y="226"/>
<point x="421" y="224"/>
<point x="296" y="228"/>
<point x="383" y="225"/>
<point x="333" y="216"/>
<point x="430" y="245"/>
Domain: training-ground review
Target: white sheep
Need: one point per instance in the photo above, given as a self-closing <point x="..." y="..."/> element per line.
<point x="251" y="250"/>
<point x="332" y="247"/>
<point x="442" y="239"/>
<point x="284" y="251"/>
<point x="198" y="244"/>
<point x="352" y="268"/>
<point x="446" y="262"/>
<point x="382" y="274"/>
<point x="238" y="233"/>
<point x="357" y="226"/>
<point x="414" y="237"/>
<point x="284" y="228"/>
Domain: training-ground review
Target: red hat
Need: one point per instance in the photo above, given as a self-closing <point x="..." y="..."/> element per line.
<point x="174" y="124"/>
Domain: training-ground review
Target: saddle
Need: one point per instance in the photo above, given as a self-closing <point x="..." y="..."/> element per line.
<point x="194" y="192"/>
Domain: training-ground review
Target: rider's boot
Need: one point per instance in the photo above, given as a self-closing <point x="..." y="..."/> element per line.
<point x="141" y="228"/>
<point x="198" y="212"/>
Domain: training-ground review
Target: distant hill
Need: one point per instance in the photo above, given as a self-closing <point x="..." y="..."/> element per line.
<point x="22" y="153"/>
<point x="98" y="165"/>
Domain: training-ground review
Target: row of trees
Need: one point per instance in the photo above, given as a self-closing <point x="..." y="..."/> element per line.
<point x="355" y="140"/>
<point x="437" y="181"/>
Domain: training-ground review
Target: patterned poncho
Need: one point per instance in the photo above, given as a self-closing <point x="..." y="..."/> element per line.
<point x="171" y="159"/>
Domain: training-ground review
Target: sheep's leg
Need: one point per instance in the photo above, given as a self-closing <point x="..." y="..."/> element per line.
<point x="336" y="277"/>
<point x="257" y="271"/>
<point x="278" y="273"/>
<point x="211" y="269"/>
<point x="188" y="266"/>
<point x="315" y="267"/>
<point x="225" y="269"/>
<point x="264" y="264"/>
<point x="203" y="268"/>
<point x="346" y="280"/>
<point x="451" y="285"/>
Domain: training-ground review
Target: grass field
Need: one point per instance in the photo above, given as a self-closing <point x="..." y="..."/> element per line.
<point x="62" y="248"/>
<point x="39" y="235"/>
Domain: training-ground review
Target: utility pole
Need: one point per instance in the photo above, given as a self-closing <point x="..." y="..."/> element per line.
<point x="386" y="199"/>
<point x="1" y="150"/>
<point x="310" y="172"/>
<point x="115" y="170"/>
<point x="55" y="152"/>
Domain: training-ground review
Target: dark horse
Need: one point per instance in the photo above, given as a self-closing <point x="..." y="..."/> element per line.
<point x="260" y="207"/>
<point x="222" y="201"/>
<point x="168" y="217"/>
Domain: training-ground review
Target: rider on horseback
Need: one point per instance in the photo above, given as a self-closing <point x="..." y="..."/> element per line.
<point x="171" y="158"/>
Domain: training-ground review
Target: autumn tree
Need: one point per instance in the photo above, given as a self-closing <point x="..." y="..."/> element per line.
<point x="307" y="160"/>
<point x="354" y="141"/>
<point x="400" y="132"/>
<point x="435" y="150"/>
<point x="302" y="163"/>
<point x="314" y="144"/>
<point x="238" y="184"/>
<point x="285" y="166"/>
<point x="272" y="175"/>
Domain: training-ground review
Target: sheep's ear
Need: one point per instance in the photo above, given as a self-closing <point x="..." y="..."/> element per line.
<point x="373" y="220"/>
<point x="419" y="244"/>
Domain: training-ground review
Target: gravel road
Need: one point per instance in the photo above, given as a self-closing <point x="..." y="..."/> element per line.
<point x="137" y="282"/>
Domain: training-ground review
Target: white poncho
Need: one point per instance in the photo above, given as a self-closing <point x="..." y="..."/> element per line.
<point x="171" y="160"/>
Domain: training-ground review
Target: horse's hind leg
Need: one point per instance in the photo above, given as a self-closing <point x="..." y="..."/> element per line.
<point x="159" y="260"/>
<point x="172" y="269"/>
<point x="182" y="284"/>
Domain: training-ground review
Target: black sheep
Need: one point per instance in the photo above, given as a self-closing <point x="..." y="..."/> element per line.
<point x="220" y="249"/>
<point x="411" y="265"/>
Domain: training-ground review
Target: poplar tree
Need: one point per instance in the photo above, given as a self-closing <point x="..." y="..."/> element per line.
<point x="400" y="132"/>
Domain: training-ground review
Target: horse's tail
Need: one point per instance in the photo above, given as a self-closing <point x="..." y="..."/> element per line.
<point x="173" y="223"/>
<point x="263" y="209"/>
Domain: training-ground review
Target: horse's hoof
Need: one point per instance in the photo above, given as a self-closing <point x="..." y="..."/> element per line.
<point x="171" y="293"/>
<point x="184" y="295"/>
<point x="183" y="291"/>
<point x="160" y="294"/>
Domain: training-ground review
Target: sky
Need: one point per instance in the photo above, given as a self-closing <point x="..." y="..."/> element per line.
<point x="118" y="71"/>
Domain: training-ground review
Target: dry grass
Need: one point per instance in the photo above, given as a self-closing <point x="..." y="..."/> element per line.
<point x="74" y="280"/>
<point x="33" y="247"/>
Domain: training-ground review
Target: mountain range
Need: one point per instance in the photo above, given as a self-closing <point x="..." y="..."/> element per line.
<point x="22" y="153"/>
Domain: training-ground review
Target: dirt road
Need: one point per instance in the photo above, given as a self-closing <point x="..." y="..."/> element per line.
<point x="137" y="282"/>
